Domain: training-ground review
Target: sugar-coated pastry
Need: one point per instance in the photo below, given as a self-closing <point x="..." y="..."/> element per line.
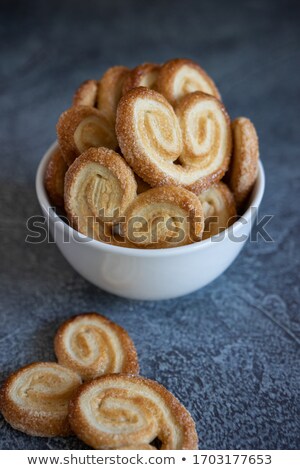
<point x="35" y="399"/>
<point x="153" y="140"/>
<point x="54" y="178"/>
<point x="110" y="91"/>
<point x="142" y="75"/>
<point x="86" y="94"/>
<point x="92" y="345"/>
<point x="82" y="127"/>
<point x="206" y="136"/>
<point x="179" y="77"/>
<point x="244" y="162"/>
<point x="99" y="186"/>
<point x="164" y="217"/>
<point x="218" y="208"/>
<point x="120" y="410"/>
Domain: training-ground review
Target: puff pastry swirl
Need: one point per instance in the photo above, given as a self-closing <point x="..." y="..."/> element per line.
<point x="99" y="186"/>
<point x="219" y="209"/>
<point x="92" y="345"/>
<point x="153" y="139"/>
<point x="117" y="411"/>
<point x="179" y="77"/>
<point x="35" y="399"/>
<point x="164" y="217"/>
<point x="244" y="162"/>
<point x="82" y="127"/>
<point x="142" y="75"/>
<point x="110" y="91"/>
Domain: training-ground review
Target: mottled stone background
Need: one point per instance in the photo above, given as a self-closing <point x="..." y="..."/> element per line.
<point x="229" y="352"/>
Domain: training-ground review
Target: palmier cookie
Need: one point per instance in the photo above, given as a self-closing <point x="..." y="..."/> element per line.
<point x="218" y="208"/>
<point x="99" y="186"/>
<point x="153" y="139"/>
<point x="82" y="127"/>
<point x="54" y="178"/>
<point x="35" y="399"/>
<point x="86" y="94"/>
<point x="110" y="91"/>
<point x="244" y="162"/>
<point x="120" y="410"/>
<point x="92" y="346"/>
<point x="142" y="75"/>
<point x="164" y="217"/>
<point x="179" y="77"/>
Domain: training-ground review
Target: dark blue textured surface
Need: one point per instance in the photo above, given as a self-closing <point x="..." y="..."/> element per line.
<point x="230" y="352"/>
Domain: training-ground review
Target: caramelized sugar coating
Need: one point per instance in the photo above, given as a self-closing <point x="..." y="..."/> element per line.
<point x="142" y="75"/>
<point x="180" y="77"/>
<point x="117" y="411"/>
<point x="86" y="94"/>
<point x="153" y="139"/>
<point x="110" y="91"/>
<point x="164" y="217"/>
<point x="54" y="178"/>
<point x="99" y="186"/>
<point x="92" y="345"/>
<point x="244" y="163"/>
<point x="219" y="209"/>
<point x="35" y="399"/>
<point x="82" y="127"/>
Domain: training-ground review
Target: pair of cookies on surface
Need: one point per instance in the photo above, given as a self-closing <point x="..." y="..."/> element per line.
<point x="114" y="408"/>
<point x="156" y="126"/>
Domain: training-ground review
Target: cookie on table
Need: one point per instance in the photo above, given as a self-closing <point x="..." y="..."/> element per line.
<point x="35" y="399"/>
<point x="119" y="410"/>
<point x="92" y="345"/>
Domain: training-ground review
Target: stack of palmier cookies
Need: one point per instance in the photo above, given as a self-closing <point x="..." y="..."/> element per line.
<point x="142" y="154"/>
<point x="95" y="392"/>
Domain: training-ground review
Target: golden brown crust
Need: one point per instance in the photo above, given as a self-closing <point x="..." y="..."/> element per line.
<point x="206" y="135"/>
<point x="244" y="163"/>
<point x="152" y="141"/>
<point x="179" y="77"/>
<point x="82" y="127"/>
<point x="99" y="186"/>
<point x="142" y="75"/>
<point x="219" y="209"/>
<point x="86" y="94"/>
<point x="110" y="91"/>
<point x="35" y="399"/>
<point x="120" y="410"/>
<point x="92" y="345"/>
<point x="54" y="178"/>
<point x="164" y="217"/>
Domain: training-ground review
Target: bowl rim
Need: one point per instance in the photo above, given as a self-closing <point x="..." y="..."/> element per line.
<point x="256" y="198"/>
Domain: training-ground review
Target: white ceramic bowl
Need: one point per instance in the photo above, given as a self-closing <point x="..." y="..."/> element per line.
<point x="149" y="274"/>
